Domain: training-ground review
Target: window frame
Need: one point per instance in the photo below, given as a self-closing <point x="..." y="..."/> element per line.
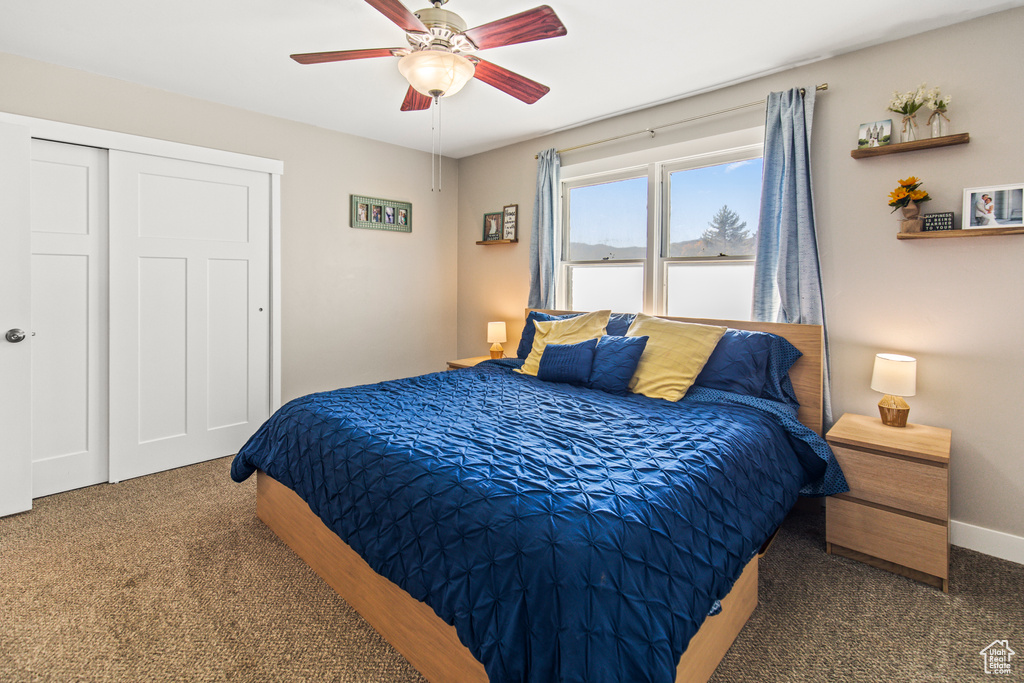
<point x="656" y="263"/>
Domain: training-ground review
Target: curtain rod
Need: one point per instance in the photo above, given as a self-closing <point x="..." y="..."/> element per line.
<point x="823" y="86"/>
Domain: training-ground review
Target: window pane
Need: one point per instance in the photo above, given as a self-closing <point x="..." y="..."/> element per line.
<point x="710" y="290"/>
<point x="608" y="221"/>
<point x="619" y="288"/>
<point x="714" y="210"/>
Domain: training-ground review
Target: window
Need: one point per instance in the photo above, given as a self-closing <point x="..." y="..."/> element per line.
<point x="606" y="246"/>
<point x="702" y="231"/>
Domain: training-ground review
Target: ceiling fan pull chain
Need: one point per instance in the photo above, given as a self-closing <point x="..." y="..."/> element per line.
<point x="433" y="145"/>
<point x="440" y="158"/>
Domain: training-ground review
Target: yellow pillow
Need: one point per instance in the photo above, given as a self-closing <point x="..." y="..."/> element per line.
<point x="567" y="331"/>
<point x="675" y="354"/>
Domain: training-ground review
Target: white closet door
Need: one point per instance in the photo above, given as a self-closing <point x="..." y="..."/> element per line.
<point x="69" y="317"/>
<point x="189" y="318"/>
<point x="15" y="314"/>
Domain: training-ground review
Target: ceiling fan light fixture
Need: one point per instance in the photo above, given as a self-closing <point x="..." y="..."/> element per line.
<point x="436" y="73"/>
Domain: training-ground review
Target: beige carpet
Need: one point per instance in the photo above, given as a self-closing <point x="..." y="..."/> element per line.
<point x="172" y="578"/>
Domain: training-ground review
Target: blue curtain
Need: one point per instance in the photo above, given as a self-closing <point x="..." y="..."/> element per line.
<point x="787" y="273"/>
<point x="547" y="215"/>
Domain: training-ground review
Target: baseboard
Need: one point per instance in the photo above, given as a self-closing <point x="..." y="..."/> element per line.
<point x="996" y="543"/>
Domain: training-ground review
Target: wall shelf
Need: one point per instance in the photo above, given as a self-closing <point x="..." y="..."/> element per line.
<point x="898" y="147"/>
<point x="499" y="242"/>
<point x="973" y="232"/>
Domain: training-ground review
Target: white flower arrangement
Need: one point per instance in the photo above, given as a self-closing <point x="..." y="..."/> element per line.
<point x="936" y="101"/>
<point x="909" y="102"/>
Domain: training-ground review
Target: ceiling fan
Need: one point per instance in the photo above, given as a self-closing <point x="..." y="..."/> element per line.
<point x="440" y="58"/>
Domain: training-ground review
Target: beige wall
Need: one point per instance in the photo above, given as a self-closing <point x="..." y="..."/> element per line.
<point x="957" y="305"/>
<point x="358" y="305"/>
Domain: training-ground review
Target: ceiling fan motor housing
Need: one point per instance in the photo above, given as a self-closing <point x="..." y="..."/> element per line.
<point x="444" y="26"/>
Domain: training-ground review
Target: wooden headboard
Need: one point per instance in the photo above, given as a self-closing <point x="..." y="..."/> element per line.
<point x="807" y="374"/>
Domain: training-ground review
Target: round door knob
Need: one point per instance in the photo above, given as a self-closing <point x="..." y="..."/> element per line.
<point x="14" y="336"/>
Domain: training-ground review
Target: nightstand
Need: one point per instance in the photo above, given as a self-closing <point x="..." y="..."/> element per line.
<point x="896" y="515"/>
<point x="466" y="362"/>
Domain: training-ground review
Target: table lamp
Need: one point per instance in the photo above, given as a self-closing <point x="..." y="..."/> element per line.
<point x="496" y="335"/>
<point x="895" y="376"/>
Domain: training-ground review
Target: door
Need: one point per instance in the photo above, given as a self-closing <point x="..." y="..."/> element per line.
<point x="15" y="321"/>
<point x="189" y="311"/>
<point x="69" y="316"/>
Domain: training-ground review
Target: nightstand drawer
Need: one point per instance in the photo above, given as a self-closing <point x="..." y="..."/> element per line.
<point x="914" y="486"/>
<point x="897" y="538"/>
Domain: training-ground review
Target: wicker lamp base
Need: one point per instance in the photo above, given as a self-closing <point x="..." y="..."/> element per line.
<point x="894" y="411"/>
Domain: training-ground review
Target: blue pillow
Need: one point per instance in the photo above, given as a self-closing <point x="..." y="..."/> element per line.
<point x="529" y="331"/>
<point x="569" y="363"/>
<point x="615" y="362"/>
<point x="753" y="364"/>
<point x="781" y="357"/>
<point x="738" y="364"/>
<point x="618" y="323"/>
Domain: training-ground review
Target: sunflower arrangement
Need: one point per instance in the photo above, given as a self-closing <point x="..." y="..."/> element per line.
<point x="907" y="192"/>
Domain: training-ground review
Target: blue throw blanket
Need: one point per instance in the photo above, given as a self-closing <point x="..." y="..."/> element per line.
<point x="568" y="534"/>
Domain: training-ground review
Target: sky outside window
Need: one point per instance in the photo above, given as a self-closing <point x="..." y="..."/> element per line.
<point x="698" y="194"/>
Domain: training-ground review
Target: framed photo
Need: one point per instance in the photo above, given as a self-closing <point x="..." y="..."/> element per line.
<point x="370" y="213"/>
<point x="874" y="134"/>
<point x="492" y="226"/>
<point x="995" y="206"/>
<point x="510" y="222"/>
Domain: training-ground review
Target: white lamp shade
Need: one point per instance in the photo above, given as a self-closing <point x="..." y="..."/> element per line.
<point x="436" y="72"/>
<point x="496" y="333"/>
<point x="894" y="374"/>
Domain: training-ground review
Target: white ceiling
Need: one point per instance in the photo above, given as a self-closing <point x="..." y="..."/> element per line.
<point x="618" y="55"/>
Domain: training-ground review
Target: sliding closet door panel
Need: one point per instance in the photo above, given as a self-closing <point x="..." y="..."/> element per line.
<point x="182" y="208"/>
<point x="69" y="311"/>
<point x="227" y="368"/>
<point x="15" y="313"/>
<point x="189" y="311"/>
<point x="60" y="362"/>
<point x="163" y="348"/>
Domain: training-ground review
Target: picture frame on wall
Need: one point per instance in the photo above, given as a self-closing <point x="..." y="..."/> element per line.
<point x="510" y="223"/>
<point x="371" y="213"/>
<point x="993" y="207"/>
<point x="492" y="226"/>
<point x="874" y="134"/>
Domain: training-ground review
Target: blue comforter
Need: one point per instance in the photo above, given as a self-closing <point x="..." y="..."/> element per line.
<point x="568" y="534"/>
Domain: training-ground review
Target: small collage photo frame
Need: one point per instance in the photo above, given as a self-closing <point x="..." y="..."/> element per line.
<point x="370" y="213"/>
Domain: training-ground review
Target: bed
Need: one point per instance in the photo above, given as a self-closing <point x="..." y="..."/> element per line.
<point x="417" y="527"/>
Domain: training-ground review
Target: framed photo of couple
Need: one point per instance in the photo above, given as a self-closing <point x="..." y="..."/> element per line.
<point x="994" y="206"/>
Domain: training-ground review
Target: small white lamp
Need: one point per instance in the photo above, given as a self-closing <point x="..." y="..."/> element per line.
<point x="496" y="335"/>
<point x="895" y="376"/>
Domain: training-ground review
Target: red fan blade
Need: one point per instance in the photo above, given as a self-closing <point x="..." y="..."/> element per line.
<point x="415" y="100"/>
<point x="535" y="24"/>
<point x="398" y="13"/>
<point x="343" y="55"/>
<point x="520" y="87"/>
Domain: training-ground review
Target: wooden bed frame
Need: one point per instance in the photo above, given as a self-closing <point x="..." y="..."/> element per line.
<point x="431" y="645"/>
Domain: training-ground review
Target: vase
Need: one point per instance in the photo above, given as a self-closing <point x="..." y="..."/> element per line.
<point x="911" y="218"/>
<point x="909" y="128"/>
<point x="939" y="123"/>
